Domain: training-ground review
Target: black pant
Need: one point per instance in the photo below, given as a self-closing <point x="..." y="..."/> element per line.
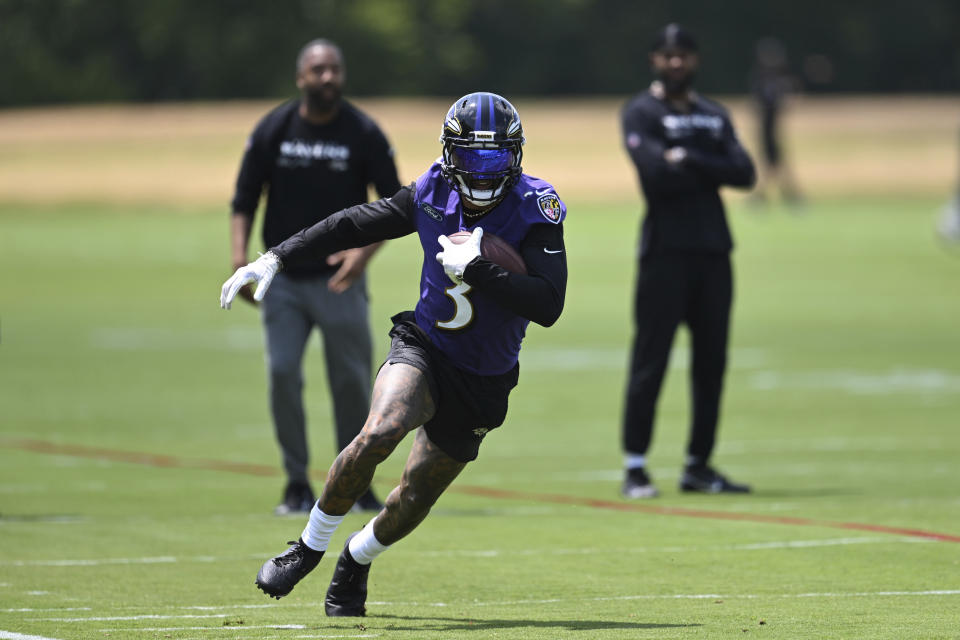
<point x="697" y="289"/>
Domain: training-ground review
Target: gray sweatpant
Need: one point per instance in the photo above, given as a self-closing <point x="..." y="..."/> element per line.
<point x="290" y="311"/>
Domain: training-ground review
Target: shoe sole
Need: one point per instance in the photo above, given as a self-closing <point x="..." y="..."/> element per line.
<point x="345" y="613"/>
<point x="689" y="488"/>
<point x="640" y="494"/>
<point x="270" y="592"/>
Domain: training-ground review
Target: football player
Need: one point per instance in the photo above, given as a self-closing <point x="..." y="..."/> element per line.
<point x="453" y="359"/>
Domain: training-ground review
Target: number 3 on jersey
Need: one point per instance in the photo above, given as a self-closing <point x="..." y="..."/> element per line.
<point x="463" y="309"/>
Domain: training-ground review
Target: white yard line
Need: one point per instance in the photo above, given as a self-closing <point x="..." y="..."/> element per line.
<point x="32" y="610"/>
<point x="859" y="382"/>
<point x="278" y="627"/>
<point x="494" y="553"/>
<point x="552" y="359"/>
<point x="10" y="635"/>
<point x="91" y="562"/>
<point x="501" y="603"/>
<point x="756" y="546"/>
<point x="149" y="616"/>
<point x="684" y="596"/>
<point x="237" y="627"/>
<point x="96" y="562"/>
<point x="365" y="635"/>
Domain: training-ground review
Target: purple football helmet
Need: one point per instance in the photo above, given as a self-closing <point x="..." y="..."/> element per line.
<point x="482" y="147"/>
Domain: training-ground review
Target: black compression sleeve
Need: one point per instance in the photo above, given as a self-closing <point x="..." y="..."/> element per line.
<point x="348" y="228"/>
<point x="537" y="296"/>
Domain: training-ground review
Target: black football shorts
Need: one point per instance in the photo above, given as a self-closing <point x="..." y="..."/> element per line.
<point x="468" y="405"/>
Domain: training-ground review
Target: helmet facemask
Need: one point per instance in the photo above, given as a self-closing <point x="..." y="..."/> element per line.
<point x="482" y="172"/>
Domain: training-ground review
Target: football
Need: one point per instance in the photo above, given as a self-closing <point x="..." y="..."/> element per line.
<point x="496" y="250"/>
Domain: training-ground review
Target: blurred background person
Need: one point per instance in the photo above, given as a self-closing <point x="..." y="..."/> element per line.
<point x="949" y="224"/>
<point x="314" y="156"/>
<point x="770" y="85"/>
<point x="684" y="148"/>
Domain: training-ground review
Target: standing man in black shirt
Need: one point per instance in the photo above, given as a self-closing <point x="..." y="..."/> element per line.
<point x="314" y="155"/>
<point x="684" y="148"/>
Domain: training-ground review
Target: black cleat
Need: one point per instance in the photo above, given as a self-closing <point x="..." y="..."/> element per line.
<point x="706" y="479"/>
<point x="366" y="502"/>
<point x="347" y="594"/>
<point x="637" y="485"/>
<point x="278" y="576"/>
<point x="297" y="498"/>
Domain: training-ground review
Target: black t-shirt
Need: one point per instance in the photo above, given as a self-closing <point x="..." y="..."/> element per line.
<point x="311" y="171"/>
<point x="684" y="210"/>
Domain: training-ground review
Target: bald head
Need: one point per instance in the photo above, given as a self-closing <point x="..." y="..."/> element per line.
<point x="320" y="76"/>
<point x="321" y="43"/>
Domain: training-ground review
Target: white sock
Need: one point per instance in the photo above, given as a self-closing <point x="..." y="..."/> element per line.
<point x="321" y="526"/>
<point x="364" y="547"/>
<point x="635" y="460"/>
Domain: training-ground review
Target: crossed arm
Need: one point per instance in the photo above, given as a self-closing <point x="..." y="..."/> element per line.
<point x="673" y="169"/>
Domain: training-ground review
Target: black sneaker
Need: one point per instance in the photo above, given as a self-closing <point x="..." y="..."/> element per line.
<point x="637" y="485"/>
<point x="706" y="479"/>
<point x="366" y="502"/>
<point x="297" y="498"/>
<point x="278" y="576"/>
<point x="347" y="594"/>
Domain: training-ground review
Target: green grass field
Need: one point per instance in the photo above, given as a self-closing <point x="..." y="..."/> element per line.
<point x="131" y="402"/>
<point x="138" y="470"/>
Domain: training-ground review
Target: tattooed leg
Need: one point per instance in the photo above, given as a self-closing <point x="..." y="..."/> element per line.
<point x="428" y="472"/>
<point x="401" y="402"/>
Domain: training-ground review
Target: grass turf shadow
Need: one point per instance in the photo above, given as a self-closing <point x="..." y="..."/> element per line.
<point x="406" y="623"/>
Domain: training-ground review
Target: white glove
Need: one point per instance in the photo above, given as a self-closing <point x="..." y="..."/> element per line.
<point x="261" y="271"/>
<point x="456" y="257"/>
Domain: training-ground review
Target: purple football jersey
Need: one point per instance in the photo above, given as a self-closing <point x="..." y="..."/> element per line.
<point x="476" y="333"/>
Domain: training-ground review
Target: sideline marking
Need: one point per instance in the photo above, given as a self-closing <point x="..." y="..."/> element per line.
<point x="10" y="635"/>
<point x="132" y="457"/>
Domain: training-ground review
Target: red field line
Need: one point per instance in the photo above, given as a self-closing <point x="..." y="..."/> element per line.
<point x="136" y="457"/>
<point x="510" y="494"/>
<point x="153" y="460"/>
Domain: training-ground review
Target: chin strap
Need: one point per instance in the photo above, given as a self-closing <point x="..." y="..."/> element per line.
<point x="468" y="213"/>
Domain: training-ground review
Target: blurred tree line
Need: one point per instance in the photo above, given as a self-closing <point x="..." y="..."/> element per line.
<point x="55" y="51"/>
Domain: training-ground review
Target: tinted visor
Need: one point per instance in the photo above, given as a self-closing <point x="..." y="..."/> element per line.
<point x="481" y="160"/>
